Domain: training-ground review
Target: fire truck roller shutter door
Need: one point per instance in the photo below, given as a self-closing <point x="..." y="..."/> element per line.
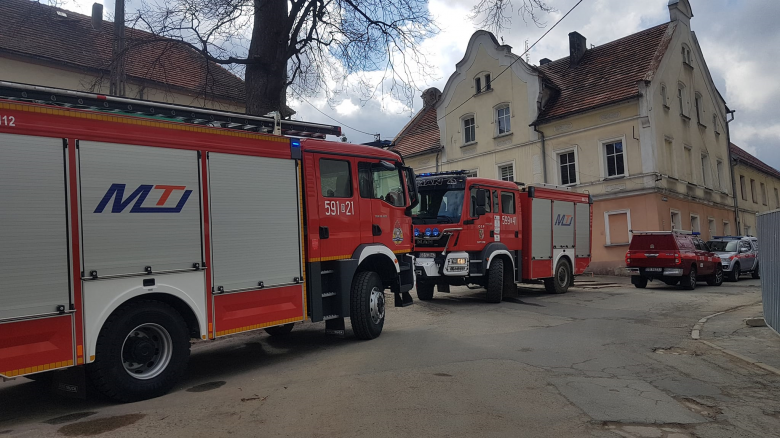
<point x="254" y="221"/>
<point x="563" y="225"/>
<point x="140" y="207"/>
<point x="541" y="245"/>
<point x="583" y="230"/>
<point x="33" y="226"/>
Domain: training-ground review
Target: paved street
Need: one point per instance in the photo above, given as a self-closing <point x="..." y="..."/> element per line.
<point x="604" y="360"/>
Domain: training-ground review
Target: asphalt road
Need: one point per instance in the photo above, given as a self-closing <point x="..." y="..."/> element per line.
<point x="599" y="361"/>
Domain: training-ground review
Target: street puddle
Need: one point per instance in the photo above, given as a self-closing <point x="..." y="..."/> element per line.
<point x="99" y="425"/>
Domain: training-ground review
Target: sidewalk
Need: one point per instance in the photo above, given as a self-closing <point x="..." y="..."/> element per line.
<point x="755" y="344"/>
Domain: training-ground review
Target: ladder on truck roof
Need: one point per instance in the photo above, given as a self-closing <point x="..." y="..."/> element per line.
<point x="163" y="111"/>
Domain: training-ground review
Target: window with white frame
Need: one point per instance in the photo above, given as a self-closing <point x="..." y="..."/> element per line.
<point x="726" y="228"/>
<point x="699" y="109"/>
<point x="676" y="220"/>
<point x="471" y="173"/>
<point x="682" y="100"/>
<point x="506" y="172"/>
<point x="469" y="129"/>
<point x="503" y="122"/>
<point x="712" y="227"/>
<point x="567" y="165"/>
<point x="664" y="96"/>
<point x="695" y="225"/>
<point x="719" y="169"/>
<point x="705" y="165"/>
<point x="614" y="159"/>
<point x="617" y="226"/>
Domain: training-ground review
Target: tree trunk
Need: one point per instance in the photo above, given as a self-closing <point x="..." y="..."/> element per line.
<point x="267" y="73"/>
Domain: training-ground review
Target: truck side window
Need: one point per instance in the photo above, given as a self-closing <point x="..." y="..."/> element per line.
<point x="473" y="201"/>
<point x="507" y="203"/>
<point x="378" y="182"/>
<point x="335" y="178"/>
<point x="495" y="201"/>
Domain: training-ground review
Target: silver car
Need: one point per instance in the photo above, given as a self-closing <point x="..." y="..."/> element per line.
<point x="738" y="254"/>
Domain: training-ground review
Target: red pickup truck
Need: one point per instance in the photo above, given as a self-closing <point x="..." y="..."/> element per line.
<point x="674" y="257"/>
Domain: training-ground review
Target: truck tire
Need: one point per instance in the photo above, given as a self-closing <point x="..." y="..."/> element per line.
<point x="367" y="305"/>
<point x="425" y="291"/>
<point x="734" y="274"/>
<point x="689" y="281"/>
<point x="561" y="280"/>
<point x="716" y="279"/>
<point x="756" y="275"/>
<point x="495" y="283"/>
<point x="639" y="281"/>
<point x="141" y="352"/>
<point x="280" y="330"/>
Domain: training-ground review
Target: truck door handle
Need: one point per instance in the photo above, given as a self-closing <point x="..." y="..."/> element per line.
<point x="324" y="233"/>
<point x="492" y="234"/>
<point x="375" y="230"/>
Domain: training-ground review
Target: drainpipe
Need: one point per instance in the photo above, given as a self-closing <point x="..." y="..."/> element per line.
<point x="437" y="158"/>
<point x="733" y="163"/>
<point x="544" y="156"/>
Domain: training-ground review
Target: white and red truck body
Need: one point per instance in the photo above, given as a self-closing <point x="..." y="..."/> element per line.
<point x="106" y="200"/>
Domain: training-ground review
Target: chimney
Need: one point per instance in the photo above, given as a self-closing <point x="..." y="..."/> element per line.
<point x="97" y="16"/>
<point x="544" y="61"/>
<point x="680" y="10"/>
<point x="430" y="97"/>
<point x="576" y="48"/>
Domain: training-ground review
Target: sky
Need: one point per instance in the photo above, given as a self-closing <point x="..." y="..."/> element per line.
<point x="739" y="39"/>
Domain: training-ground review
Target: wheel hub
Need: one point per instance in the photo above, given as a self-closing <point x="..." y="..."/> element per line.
<point x="562" y="277"/>
<point x="377" y="305"/>
<point x="146" y="351"/>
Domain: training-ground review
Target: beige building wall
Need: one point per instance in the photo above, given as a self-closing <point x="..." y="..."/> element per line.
<point x="767" y="196"/>
<point x="61" y="76"/>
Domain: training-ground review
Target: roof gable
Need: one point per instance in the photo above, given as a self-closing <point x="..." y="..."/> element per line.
<point x="420" y="135"/>
<point x="605" y="74"/>
<point x="30" y="29"/>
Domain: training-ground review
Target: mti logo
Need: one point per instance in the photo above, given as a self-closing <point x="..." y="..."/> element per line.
<point x="564" y="220"/>
<point x="117" y="191"/>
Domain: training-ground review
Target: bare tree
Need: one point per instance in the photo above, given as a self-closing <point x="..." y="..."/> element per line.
<point x="305" y="45"/>
<point x="496" y="15"/>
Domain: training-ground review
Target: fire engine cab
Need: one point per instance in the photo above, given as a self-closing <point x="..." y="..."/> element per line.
<point x="494" y="234"/>
<point x="130" y="227"/>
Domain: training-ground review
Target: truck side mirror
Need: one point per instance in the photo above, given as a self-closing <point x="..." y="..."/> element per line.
<point x="481" y="202"/>
<point x="411" y="185"/>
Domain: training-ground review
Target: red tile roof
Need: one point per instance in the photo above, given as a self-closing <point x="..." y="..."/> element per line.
<point x="606" y="74"/>
<point x="30" y="29"/>
<point x="420" y="135"/>
<point x="743" y="156"/>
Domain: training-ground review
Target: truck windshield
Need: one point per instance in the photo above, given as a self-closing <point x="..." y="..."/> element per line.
<point x="439" y="207"/>
<point x="723" y="245"/>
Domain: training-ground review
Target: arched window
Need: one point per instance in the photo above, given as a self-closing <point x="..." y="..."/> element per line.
<point x="686" y="54"/>
<point x="469" y="125"/>
<point x="503" y="119"/>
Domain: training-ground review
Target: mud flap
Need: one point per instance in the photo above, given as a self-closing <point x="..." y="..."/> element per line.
<point x="403" y="299"/>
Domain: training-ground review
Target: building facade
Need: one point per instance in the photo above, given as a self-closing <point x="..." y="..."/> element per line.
<point x="49" y="46"/>
<point x="757" y="189"/>
<point x="636" y="122"/>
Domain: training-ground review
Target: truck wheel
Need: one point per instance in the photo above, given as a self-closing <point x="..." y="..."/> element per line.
<point x="734" y="274"/>
<point x="562" y="279"/>
<point x="716" y="279"/>
<point x="425" y="291"/>
<point x="639" y="281"/>
<point x="756" y="274"/>
<point x="280" y="330"/>
<point x="495" y="284"/>
<point x="689" y="282"/>
<point x="367" y="305"/>
<point x="141" y="352"/>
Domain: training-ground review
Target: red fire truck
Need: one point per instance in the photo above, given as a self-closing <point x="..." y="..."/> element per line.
<point x="495" y="234"/>
<point x="130" y="227"/>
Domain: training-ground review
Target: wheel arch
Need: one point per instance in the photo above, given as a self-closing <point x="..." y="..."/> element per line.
<point x="380" y="264"/>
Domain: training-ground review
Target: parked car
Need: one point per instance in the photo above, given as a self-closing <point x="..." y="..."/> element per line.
<point x="674" y="257"/>
<point x="739" y="254"/>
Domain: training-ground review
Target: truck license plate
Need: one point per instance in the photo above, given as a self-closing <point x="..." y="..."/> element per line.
<point x="427" y="255"/>
<point x="654" y="269"/>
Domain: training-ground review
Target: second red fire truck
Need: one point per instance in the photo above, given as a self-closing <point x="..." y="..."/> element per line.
<point x="130" y="227"/>
<point x="495" y="234"/>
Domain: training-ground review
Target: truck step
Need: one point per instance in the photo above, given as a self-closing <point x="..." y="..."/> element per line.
<point x="330" y="271"/>
<point x="327" y="317"/>
<point x="328" y="294"/>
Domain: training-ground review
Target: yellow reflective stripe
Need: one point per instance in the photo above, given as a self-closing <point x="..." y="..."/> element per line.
<point x="37" y="368"/>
